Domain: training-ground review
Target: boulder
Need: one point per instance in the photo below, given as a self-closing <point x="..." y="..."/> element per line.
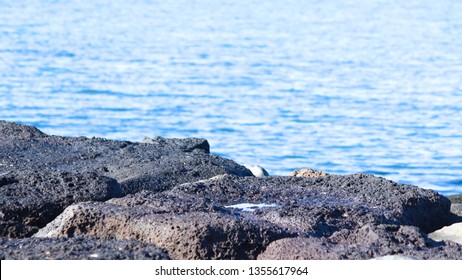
<point x="157" y="165"/>
<point x="367" y="242"/>
<point x="332" y="217"/>
<point x="456" y="209"/>
<point x="78" y="249"/>
<point x="75" y="169"/>
<point x="95" y="196"/>
<point x="322" y="205"/>
<point x="30" y="200"/>
<point x="185" y="227"/>
<point x="13" y="132"/>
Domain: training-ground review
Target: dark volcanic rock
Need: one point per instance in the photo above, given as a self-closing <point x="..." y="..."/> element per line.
<point x="185" y="145"/>
<point x="156" y="166"/>
<point x="180" y="226"/>
<point x="369" y="241"/>
<point x="13" y="131"/>
<point x="78" y="249"/>
<point x="97" y="198"/>
<point x="175" y="202"/>
<point x="322" y="205"/>
<point x="200" y="221"/>
<point x="51" y="160"/>
<point x="30" y="200"/>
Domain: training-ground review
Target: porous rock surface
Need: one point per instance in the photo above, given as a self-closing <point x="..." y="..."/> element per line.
<point x="40" y="174"/>
<point x="323" y="205"/>
<point x="185" y="227"/>
<point x="174" y="195"/>
<point x="367" y="242"/>
<point x="156" y="165"/>
<point x="78" y="249"/>
<point x="29" y="200"/>
<point x="306" y="218"/>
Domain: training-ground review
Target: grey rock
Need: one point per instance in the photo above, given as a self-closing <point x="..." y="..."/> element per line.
<point x="456" y="209"/>
<point x="322" y="205"/>
<point x="180" y="228"/>
<point x="136" y="165"/>
<point x="123" y="167"/>
<point x="174" y="195"/>
<point x="175" y="202"/>
<point x="185" y="145"/>
<point x="367" y="242"/>
<point x="456" y="198"/>
<point x="30" y="200"/>
<point x="78" y="249"/>
<point x="13" y="131"/>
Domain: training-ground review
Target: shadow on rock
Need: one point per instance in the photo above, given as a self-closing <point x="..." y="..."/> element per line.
<point x="78" y="249"/>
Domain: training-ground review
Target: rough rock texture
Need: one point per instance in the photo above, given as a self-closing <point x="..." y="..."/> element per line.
<point x="197" y="220"/>
<point x="29" y="200"/>
<point x="450" y="233"/>
<point x="186" y="228"/>
<point x="86" y="198"/>
<point x="40" y="175"/>
<point x="369" y="241"/>
<point x="156" y="165"/>
<point x="308" y="172"/>
<point x="78" y="249"/>
<point x="323" y="205"/>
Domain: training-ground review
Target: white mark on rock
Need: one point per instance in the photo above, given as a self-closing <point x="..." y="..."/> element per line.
<point x="249" y="207"/>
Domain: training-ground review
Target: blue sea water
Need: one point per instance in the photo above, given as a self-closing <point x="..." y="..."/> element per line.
<point x="343" y="86"/>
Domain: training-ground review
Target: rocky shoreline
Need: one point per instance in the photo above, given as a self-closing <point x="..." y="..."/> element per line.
<point x="93" y="198"/>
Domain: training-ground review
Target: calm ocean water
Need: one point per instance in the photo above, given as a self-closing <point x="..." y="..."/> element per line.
<point x="342" y="86"/>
